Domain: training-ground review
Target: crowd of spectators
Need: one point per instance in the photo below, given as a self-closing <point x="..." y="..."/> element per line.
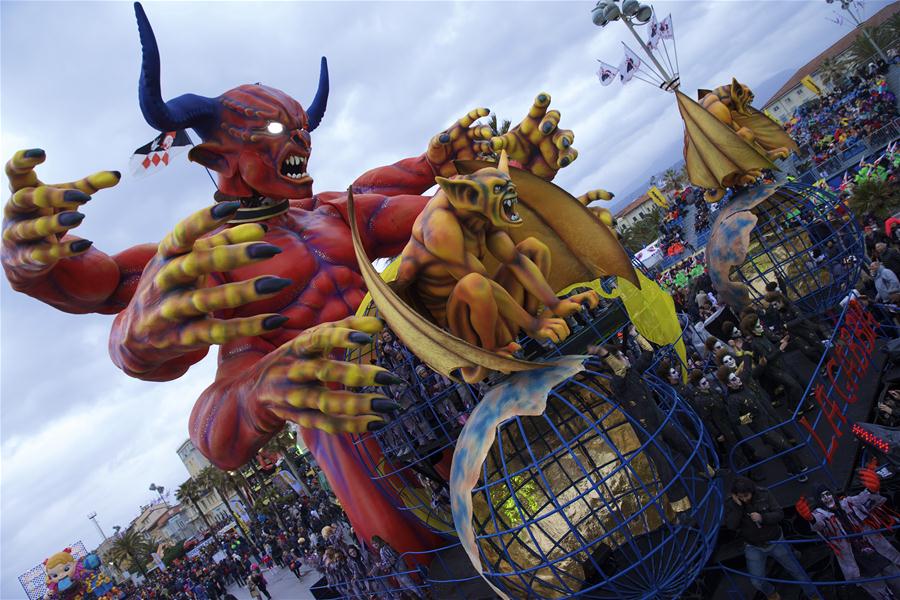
<point x="679" y="276"/>
<point x="310" y="533"/>
<point x="858" y="107"/>
<point x="671" y="229"/>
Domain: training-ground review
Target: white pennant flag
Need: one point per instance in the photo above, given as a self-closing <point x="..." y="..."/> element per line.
<point x="653" y="40"/>
<point x="666" y="31"/>
<point x="607" y="73"/>
<point x="629" y="66"/>
<point x="156" y="155"/>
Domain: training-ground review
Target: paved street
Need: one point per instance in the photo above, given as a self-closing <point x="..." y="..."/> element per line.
<point x="282" y="585"/>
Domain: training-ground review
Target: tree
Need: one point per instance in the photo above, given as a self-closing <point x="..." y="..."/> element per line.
<point x="671" y="180"/>
<point x="642" y="232"/>
<point x="132" y="549"/>
<point x="875" y="197"/>
<point x="885" y="35"/>
<point x="497" y="129"/>
<point x="683" y="177"/>
<point x="173" y="553"/>
<point x="284" y="443"/>
<point x="190" y="491"/>
<point x="212" y="478"/>
<point x="832" y="71"/>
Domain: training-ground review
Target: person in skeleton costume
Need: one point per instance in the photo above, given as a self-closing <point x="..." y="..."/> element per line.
<point x="840" y="521"/>
<point x="768" y="353"/>
<point x="805" y="334"/>
<point x="746" y="407"/>
<point x="708" y="404"/>
<point x="713" y="345"/>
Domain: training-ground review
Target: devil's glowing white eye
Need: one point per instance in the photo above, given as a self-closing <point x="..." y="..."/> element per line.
<point x="275" y="127"/>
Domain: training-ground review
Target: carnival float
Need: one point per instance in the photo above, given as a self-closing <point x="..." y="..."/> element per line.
<point x="473" y="404"/>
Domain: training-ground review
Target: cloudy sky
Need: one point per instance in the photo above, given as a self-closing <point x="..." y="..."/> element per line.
<point x="77" y="434"/>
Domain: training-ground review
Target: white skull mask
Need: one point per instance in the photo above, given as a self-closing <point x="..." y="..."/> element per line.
<point x="704" y="383"/>
<point x="674" y="375"/>
<point x="718" y="345"/>
<point x="734" y="381"/>
<point x="758" y="328"/>
<point x="728" y="361"/>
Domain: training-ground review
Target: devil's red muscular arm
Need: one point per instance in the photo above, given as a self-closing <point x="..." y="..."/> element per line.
<point x="385" y="221"/>
<point x="408" y="176"/>
<point x="92" y="282"/>
<point x="229" y="425"/>
<point x="43" y="259"/>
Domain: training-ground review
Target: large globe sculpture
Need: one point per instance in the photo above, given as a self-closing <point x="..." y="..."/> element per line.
<point x="572" y="503"/>
<point x="800" y="237"/>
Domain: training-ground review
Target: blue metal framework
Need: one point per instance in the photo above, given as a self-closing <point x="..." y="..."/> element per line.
<point x="808" y="242"/>
<point x="616" y="541"/>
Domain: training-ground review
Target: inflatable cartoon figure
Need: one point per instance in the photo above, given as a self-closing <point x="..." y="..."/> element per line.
<point x="268" y="274"/>
<point x="77" y="579"/>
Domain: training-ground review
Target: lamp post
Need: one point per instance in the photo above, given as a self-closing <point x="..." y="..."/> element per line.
<point x="847" y="5"/>
<point x="631" y="12"/>
<point x="93" y="517"/>
<point x="159" y="490"/>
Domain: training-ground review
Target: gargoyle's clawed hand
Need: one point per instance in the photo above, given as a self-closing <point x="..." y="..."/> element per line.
<point x="537" y="143"/>
<point x="293" y="381"/>
<point x="171" y="313"/>
<point x="575" y="303"/>
<point x="551" y="324"/>
<point x="461" y="141"/>
<point x="38" y="216"/>
<point x="549" y="328"/>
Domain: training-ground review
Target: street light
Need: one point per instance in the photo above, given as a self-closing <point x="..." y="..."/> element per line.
<point x="631" y="12"/>
<point x="159" y="490"/>
<point x="93" y="517"/>
<point x="847" y="5"/>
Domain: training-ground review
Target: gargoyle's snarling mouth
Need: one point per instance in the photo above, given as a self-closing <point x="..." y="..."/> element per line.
<point x="509" y="209"/>
<point x="294" y="167"/>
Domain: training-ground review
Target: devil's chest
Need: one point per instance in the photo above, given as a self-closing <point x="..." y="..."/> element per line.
<point x="317" y="256"/>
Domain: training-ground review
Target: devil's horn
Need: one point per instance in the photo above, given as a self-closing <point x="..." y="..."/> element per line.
<point x="316" y="110"/>
<point x="188" y="110"/>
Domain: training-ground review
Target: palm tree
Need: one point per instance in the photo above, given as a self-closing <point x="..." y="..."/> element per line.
<point x="832" y="71"/>
<point x="216" y="479"/>
<point x="497" y="129"/>
<point x="885" y="35"/>
<point x="683" y="176"/>
<point x="221" y="481"/>
<point x="876" y="197"/>
<point x="132" y="548"/>
<point x="670" y="179"/>
<point x="190" y="491"/>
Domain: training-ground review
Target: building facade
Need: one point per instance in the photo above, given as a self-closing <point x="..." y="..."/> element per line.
<point x="794" y="93"/>
<point x="193" y="460"/>
<point x="210" y="504"/>
<point x="641" y="207"/>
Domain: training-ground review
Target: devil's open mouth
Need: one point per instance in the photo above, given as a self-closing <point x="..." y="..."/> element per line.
<point x="509" y="209"/>
<point x="294" y="167"/>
